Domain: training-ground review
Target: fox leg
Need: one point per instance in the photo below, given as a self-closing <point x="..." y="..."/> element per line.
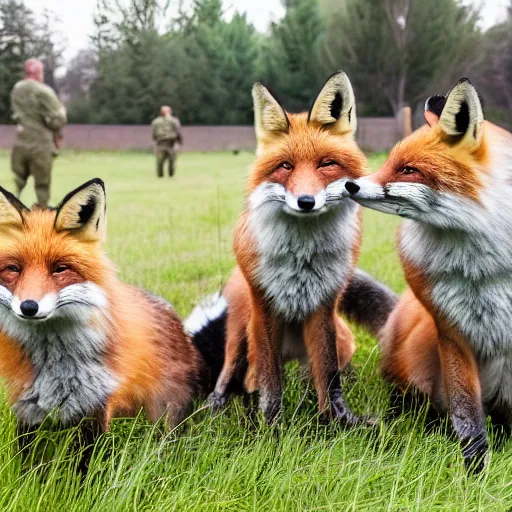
<point x="322" y="338"/>
<point x="462" y="387"/>
<point x="265" y="334"/>
<point x="345" y="344"/>
<point x="90" y="429"/>
<point x="236" y="347"/>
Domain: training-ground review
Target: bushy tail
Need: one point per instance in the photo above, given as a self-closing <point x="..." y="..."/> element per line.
<point x="206" y="325"/>
<point x="368" y="302"/>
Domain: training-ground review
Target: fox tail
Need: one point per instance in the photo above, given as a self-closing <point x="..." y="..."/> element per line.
<point x="367" y="302"/>
<point x="206" y="326"/>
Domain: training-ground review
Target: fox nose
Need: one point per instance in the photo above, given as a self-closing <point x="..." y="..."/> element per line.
<point x="352" y="187"/>
<point x="306" y="202"/>
<point x="29" y="307"/>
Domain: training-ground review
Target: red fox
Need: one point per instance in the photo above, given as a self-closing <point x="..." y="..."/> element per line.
<point x="75" y="341"/>
<point x="296" y="244"/>
<point x="449" y="335"/>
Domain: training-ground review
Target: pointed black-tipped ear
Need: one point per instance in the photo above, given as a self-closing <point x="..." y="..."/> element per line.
<point x="335" y="106"/>
<point x="435" y="104"/>
<point x="11" y="209"/>
<point x="462" y="116"/>
<point x="83" y="212"/>
<point x="433" y="109"/>
<point x="269" y="116"/>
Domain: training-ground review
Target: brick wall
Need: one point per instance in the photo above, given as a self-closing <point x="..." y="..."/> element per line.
<point x="374" y="134"/>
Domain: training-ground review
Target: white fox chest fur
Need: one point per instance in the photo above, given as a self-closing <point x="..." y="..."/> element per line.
<point x="71" y="378"/>
<point x="303" y="262"/>
<point x="470" y="272"/>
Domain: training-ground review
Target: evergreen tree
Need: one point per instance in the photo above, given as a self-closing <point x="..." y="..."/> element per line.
<point x="49" y="47"/>
<point x="290" y="59"/>
<point x="397" y="52"/>
<point x="18" y="41"/>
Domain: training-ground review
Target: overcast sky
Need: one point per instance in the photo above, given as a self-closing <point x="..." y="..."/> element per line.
<point x="76" y="16"/>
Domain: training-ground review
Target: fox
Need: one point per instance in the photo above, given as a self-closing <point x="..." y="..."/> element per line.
<point x="296" y="245"/>
<point x="75" y="341"/>
<point x="448" y="337"/>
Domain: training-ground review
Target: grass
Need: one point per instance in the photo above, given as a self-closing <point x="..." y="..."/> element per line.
<point x="174" y="237"/>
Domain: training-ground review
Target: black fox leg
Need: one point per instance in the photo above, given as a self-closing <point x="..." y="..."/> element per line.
<point x="236" y="354"/>
<point x="462" y="385"/>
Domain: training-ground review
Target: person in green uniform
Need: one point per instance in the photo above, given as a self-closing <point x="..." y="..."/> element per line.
<point x="39" y="116"/>
<point x="166" y="130"/>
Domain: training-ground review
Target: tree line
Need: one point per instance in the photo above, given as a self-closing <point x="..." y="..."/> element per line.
<point x="142" y="55"/>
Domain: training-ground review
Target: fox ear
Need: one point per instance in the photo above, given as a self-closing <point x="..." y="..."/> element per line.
<point x="11" y="209"/>
<point x="269" y="116"/>
<point x="462" y="117"/>
<point x="335" y="106"/>
<point x="83" y="212"/>
<point x="433" y="109"/>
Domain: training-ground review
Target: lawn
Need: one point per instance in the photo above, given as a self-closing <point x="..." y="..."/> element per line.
<point x="173" y="236"/>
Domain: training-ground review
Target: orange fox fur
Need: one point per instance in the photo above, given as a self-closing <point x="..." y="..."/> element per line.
<point x="449" y="335"/>
<point x="141" y="352"/>
<point x="296" y="249"/>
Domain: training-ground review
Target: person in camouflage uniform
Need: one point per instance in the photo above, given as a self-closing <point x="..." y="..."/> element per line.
<point x="39" y="116"/>
<point x="166" y="131"/>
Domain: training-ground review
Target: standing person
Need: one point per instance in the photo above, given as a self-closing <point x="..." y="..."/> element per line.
<point x="40" y="116"/>
<point x="166" y="131"/>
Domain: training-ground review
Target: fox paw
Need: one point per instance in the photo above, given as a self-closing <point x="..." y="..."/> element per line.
<point x="270" y="405"/>
<point x="347" y="418"/>
<point x="475" y="451"/>
<point x="351" y="420"/>
<point x="216" y="401"/>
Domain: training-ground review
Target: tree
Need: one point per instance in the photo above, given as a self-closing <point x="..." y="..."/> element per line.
<point x="128" y="19"/>
<point x="228" y="50"/>
<point x="18" y="41"/>
<point x="49" y="46"/>
<point x="397" y="52"/>
<point x="80" y="74"/>
<point x="203" y="66"/>
<point x="290" y="60"/>
<point x="494" y="79"/>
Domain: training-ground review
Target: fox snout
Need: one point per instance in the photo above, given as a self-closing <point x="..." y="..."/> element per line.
<point x="30" y="309"/>
<point x="305" y="203"/>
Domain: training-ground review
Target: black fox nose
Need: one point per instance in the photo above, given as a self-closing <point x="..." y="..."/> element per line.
<point x="352" y="187"/>
<point x="306" y="202"/>
<point x="29" y="307"/>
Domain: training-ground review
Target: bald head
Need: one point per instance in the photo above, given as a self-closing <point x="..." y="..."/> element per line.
<point x="34" y="69"/>
<point x="165" y="110"/>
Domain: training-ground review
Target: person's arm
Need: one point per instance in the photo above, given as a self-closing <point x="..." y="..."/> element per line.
<point x="53" y="112"/>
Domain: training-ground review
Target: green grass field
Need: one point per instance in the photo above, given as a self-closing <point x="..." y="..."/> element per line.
<point x="174" y="237"/>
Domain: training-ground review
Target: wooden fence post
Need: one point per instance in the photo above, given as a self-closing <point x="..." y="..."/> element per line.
<point x="407" y="121"/>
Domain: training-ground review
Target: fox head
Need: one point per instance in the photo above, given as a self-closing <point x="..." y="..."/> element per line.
<point x="51" y="262"/>
<point x="436" y="175"/>
<point x="300" y="156"/>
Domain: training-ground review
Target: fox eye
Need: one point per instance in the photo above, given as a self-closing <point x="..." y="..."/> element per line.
<point x="60" y="268"/>
<point x="13" y="268"/>
<point x="328" y="163"/>
<point x="409" y="170"/>
<point x="285" y="165"/>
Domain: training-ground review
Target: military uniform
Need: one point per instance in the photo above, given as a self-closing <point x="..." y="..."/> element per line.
<point x="39" y="116"/>
<point x="166" y="132"/>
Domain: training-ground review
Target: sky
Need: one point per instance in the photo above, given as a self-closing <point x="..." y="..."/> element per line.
<point x="76" y="16"/>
